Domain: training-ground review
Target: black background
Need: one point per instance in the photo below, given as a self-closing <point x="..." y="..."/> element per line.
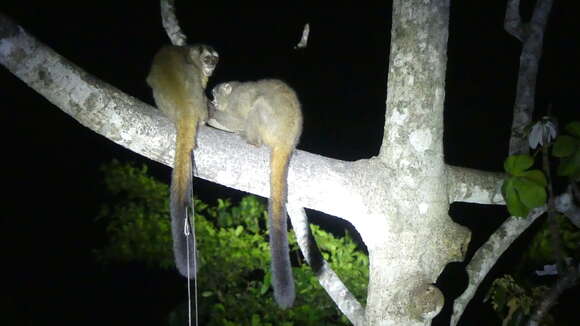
<point x="53" y="188"/>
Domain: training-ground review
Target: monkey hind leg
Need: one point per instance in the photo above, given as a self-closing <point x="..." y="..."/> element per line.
<point x="282" y="279"/>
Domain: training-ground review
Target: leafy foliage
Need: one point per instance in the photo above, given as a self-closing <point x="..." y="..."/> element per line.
<point x="515" y="298"/>
<point x="513" y="303"/>
<point x="567" y="148"/>
<point x="524" y="189"/>
<point x="541" y="250"/>
<point x="137" y="226"/>
<point x="234" y="256"/>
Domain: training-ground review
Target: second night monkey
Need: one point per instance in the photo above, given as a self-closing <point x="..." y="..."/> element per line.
<point x="266" y="112"/>
<point x="178" y="78"/>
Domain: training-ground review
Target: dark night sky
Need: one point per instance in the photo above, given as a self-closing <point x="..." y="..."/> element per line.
<point x="51" y="178"/>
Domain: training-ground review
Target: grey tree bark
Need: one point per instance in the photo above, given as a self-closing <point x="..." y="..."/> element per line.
<point x="398" y="201"/>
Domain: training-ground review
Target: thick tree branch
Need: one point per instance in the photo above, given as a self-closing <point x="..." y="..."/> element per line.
<point x="331" y="283"/>
<point x="333" y="186"/>
<point x="513" y="20"/>
<point x="474" y="186"/>
<point x="486" y="257"/>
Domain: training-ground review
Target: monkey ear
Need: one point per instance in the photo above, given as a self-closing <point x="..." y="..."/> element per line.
<point x="227" y="87"/>
<point x="191" y="54"/>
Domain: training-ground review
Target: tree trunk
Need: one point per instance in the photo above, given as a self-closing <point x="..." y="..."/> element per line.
<point x="412" y="237"/>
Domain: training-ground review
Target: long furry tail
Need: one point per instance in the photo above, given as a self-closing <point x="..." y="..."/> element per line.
<point x="282" y="279"/>
<point x="181" y="203"/>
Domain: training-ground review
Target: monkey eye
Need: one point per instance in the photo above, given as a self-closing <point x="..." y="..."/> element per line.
<point x="209" y="59"/>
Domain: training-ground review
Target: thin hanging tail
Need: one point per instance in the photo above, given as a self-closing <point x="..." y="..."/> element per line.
<point x="181" y="202"/>
<point x="282" y="279"/>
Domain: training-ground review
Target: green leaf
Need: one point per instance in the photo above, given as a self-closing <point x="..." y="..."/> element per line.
<point x="500" y="297"/>
<point x="536" y="176"/>
<point x="512" y="198"/>
<point x="266" y="283"/>
<point x="219" y="307"/>
<point x="517" y="318"/>
<point x="516" y="164"/>
<point x="255" y="320"/>
<point x="573" y="128"/>
<point x="239" y="230"/>
<point x="530" y="193"/>
<point x="564" y="146"/>
<point x="570" y="167"/>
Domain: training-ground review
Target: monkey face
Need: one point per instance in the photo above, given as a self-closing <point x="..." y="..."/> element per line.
<point x="223" y="113"/>
<point x="220" y="95"/>
<point x="209" y="60"/>
<point x="205" y="56"/>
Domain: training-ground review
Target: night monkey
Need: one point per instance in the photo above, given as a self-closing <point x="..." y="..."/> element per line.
<point x="178" y="78"/>
<point x="266" y="112"/>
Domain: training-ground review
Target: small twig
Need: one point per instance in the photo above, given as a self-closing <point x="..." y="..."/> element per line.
<point x="565" y="205"/>
<point x="552" y="222"/>
<point x="171" y="24"/>
<point x="567" y="281"/>
<point x="513" y="21"/>
<point x="338" y="292"/>
<point x="532" y="37"/>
